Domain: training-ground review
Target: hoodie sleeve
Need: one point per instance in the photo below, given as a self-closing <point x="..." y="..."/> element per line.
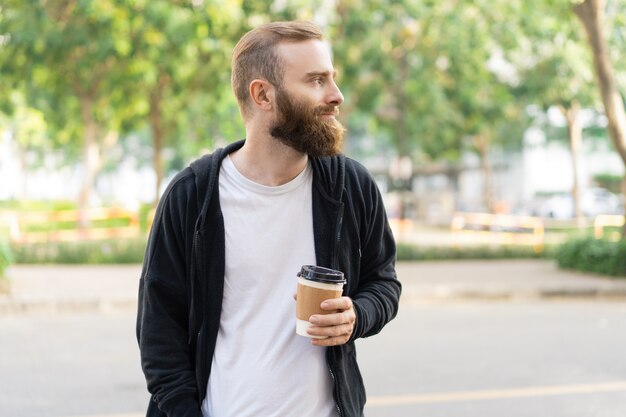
<point x="377" y="297"/>
<point x="163" y="305"/>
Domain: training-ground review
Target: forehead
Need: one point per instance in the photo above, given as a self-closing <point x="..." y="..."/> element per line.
<point x="305" y="57"/>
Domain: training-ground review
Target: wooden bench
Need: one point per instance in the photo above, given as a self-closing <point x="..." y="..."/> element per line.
<point x="62" y="225"/>
<point x="487" y="228"/>
<point x="602" y="221"/>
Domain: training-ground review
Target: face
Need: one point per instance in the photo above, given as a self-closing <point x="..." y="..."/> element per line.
<point x="307" y="102"/>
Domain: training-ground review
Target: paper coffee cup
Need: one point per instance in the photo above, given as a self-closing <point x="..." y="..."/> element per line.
<point x="315" y="284"/>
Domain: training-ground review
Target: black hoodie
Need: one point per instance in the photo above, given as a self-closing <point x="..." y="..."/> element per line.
<point x="181" y="286"/>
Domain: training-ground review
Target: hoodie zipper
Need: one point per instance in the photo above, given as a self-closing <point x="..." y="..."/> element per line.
<point x="200" y="342"/>
<point x="193" y="274"/>
<point x="337" y="241"/>
<point x="332" y="375"/>
<point x="335" y="265"/>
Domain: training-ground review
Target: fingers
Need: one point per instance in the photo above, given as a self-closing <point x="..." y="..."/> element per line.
<point x="333" y="319"/>
<point x="343" y="335"/>
<point x="335" y="327"/>
<point x="341" y="303"/>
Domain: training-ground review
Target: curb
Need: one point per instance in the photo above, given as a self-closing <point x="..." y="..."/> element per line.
<point x="30" y="306"/>
<point x="10" y="306"/>
<point x="442" y="295"/>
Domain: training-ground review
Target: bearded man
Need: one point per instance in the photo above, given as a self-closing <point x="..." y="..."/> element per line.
<point x="216" y="318"/>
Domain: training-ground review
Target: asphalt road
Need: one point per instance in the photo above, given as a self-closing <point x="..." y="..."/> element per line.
<point x="552" y="359"/>
<point x="69" y="365"/>
<point x="465" y="359"/>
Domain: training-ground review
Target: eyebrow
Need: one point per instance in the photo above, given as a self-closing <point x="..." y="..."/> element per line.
<point x="321" y="73"/>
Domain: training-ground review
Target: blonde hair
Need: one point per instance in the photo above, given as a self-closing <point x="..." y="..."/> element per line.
<point x="255" y="55"/>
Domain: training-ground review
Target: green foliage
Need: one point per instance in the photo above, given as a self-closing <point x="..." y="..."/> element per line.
<point x="6" y="257"/>
<point x="178" y="76"/>
<point x="407" y="252"/>
<point x="61" y="54"/>
<point x="593" y="255"/>
<point x="419" y="78"/>
<point x="90" y="72"/>
<point x="393" y="75"/>
<point x="611" y="182"/>
<point x="36" y="205"/>
<point x="87" y="252"/>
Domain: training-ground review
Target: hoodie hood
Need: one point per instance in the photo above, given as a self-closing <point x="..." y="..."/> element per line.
<point x="206" y="170"/>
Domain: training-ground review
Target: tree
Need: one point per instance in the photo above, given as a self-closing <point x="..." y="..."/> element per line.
<point x="394" y="88"/>
<point x="592" y="15"/>
<point x="71" y="53"/>
<point x="393" y="74"/>
<point x="557" y="74"/>
<point x="480" y="90"/>
<point x="427" y="74"/>
<point x="179" y="64"/>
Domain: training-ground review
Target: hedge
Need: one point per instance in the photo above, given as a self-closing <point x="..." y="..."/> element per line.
<point x="6" y="257"/>
<point x="132" y="251"/>
<point x="594" y="255"/>
<point x="586" y="254"/>
<point x="121" y="251"/>
<point x="407" y="252"/>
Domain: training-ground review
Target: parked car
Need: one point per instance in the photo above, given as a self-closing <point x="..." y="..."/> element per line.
<point x="593" y="201"/>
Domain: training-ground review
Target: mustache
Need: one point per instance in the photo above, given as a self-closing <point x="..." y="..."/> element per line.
<point x="334" y="110"/>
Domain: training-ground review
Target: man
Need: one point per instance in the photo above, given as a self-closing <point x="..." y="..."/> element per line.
<point x="216" y="319"/>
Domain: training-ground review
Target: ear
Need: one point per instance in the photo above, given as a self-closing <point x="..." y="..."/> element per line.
<point x="262" y="94"/>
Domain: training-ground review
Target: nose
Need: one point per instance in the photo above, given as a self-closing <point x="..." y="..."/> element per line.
<point x="334" y="95"/>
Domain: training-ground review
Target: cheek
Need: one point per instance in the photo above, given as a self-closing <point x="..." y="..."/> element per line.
<point x="310" y="97"/>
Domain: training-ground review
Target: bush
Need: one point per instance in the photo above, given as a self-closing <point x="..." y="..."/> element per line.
<point x="408" y="252"/>
<point x="593" y="255"/>
<point x="611" y="182"/>
<point x="122" y="251"/>
<point x="6" y="257"/>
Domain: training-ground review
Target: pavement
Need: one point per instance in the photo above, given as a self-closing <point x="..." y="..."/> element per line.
<point x="47" y="289"/>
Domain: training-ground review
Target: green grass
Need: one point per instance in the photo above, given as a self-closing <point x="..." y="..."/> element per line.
<point x="72" y="225"/>
<point x="36" y="205"/>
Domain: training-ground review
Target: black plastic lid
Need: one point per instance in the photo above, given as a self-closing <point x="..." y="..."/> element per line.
<point x="321" y="274"/>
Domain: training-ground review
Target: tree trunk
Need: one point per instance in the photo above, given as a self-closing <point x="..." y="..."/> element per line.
<point x="22" y="193"/>
<point x="624" y="203"/>
<point x="90" y="159"/>
<point x="453" y="179"/>
<point x="481" y="141"/>
<point x="400" y="132"/>
<point x="575" y="133"/>
<point x="591" y="14"/>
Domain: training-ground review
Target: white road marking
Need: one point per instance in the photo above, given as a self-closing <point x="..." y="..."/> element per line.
<point x="444" y="397"/>
<point x="140" y="414"/>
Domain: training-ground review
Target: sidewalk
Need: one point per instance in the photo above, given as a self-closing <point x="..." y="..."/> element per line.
<point x="45" y="289"/>
<point x="502" y="280"/>
<point x="70" y="288"/>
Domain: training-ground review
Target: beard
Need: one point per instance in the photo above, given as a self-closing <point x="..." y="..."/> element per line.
<point x="300" y="126"/>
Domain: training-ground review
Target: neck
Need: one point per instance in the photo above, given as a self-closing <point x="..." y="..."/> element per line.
<point x="265" y="160"/>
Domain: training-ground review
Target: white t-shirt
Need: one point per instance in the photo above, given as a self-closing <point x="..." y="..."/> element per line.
<point x="261" y="367"/>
